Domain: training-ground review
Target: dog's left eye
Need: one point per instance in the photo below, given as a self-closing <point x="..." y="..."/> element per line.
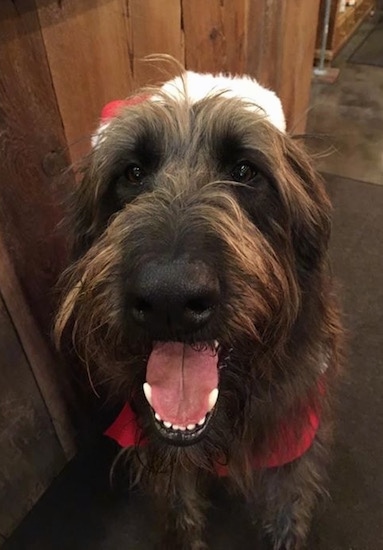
<point x="243" y="172"/>
<point x="134" y="174"/>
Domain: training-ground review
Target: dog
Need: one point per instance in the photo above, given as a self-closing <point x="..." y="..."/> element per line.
<point x="200" y="293"/>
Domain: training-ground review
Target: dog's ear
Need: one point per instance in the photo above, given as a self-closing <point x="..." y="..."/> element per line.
<point x="309" y="206"/>
<point x="82" y="222"/>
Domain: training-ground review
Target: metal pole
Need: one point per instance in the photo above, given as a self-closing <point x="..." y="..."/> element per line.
<point x="321" y="69"/>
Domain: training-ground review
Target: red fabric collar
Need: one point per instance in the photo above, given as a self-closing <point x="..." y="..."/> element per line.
<point x="290" y="444"/>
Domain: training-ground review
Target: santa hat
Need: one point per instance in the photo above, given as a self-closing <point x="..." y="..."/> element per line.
<point x="112" y="110"/>
<point x="194" y="87"/>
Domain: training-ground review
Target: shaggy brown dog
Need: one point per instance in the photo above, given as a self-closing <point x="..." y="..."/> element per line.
<point x="201" y="295"/>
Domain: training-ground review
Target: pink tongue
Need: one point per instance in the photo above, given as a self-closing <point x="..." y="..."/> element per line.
<point x="181" y="380"/>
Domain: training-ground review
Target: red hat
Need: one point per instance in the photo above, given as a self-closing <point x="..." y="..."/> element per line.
<point x="112" y="110"/>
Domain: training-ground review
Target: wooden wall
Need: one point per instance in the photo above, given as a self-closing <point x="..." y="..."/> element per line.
<point x="95" y="48"/>
<point x="60" y="62"/>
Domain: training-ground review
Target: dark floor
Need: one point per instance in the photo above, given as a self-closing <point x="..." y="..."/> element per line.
<point x="79" y="512"/>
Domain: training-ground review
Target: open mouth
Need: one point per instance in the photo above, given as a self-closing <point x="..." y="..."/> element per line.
<point x="182" y="389"/>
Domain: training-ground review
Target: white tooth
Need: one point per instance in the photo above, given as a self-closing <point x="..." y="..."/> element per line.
<point x="158" y="417"/>
<point x="182" y="428"/>
<point x="213" y="398"/>
<point x="202" y="421"/>
<point x="216" y="344"/>
<point x="175" y="427"/>
<point x="167" y="424"/>
<point x="190" y="426"/>
<point x="148" y="393"/>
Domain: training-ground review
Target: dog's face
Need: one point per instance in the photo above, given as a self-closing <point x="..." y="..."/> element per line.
<point x="199" y="230"/>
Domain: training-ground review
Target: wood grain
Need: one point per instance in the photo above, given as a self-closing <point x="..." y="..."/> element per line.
<point x="155" y="28"/>
<point x="87" y="49"/>
<point x="298" y="32"/>
<point x="32" y="155"/>
<point x="214" y="35"/>
<point x="30" y="455"/>
<point x="281" y="53"/>
<point x="47" y="369"/>
<point x="32" y="254"/>
<point x="263" y="28"/>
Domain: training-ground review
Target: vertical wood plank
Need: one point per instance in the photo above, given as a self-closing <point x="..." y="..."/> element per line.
<point x="30" y="455"/>
<point x="155" y="29"/>
<point x="48" y="371"/>
<point x="263" y="30"/>
<point x="296" y="60"/>
<point x="234" y="27"/>
<point x="280" y="51"/>
<point x="32" y="158"/>
<point x="204" y="35"/>
<point x="87" y="47"/>
<point x="215" y="35"/>
<point x="32" y="254"/>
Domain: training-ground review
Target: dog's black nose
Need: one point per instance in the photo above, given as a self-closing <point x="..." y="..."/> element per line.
<point x="181" y="295"/>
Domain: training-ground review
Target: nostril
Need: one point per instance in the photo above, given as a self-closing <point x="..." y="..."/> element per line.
<point x="142" y="305"/>
<point x="141" y="308"/>
<point x="200" y="308"/>
<point x="199" y="305"/>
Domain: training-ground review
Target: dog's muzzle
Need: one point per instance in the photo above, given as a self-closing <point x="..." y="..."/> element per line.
<point x="173" y="300"/>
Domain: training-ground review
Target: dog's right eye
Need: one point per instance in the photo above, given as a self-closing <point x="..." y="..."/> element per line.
<point x="134" y="174"/>
<point x="244" y="172"/>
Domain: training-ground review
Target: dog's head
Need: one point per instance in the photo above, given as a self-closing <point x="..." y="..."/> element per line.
<point x="200" y="230"/>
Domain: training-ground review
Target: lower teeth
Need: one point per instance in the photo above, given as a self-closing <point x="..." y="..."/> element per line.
<point x="176" y="428"/>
